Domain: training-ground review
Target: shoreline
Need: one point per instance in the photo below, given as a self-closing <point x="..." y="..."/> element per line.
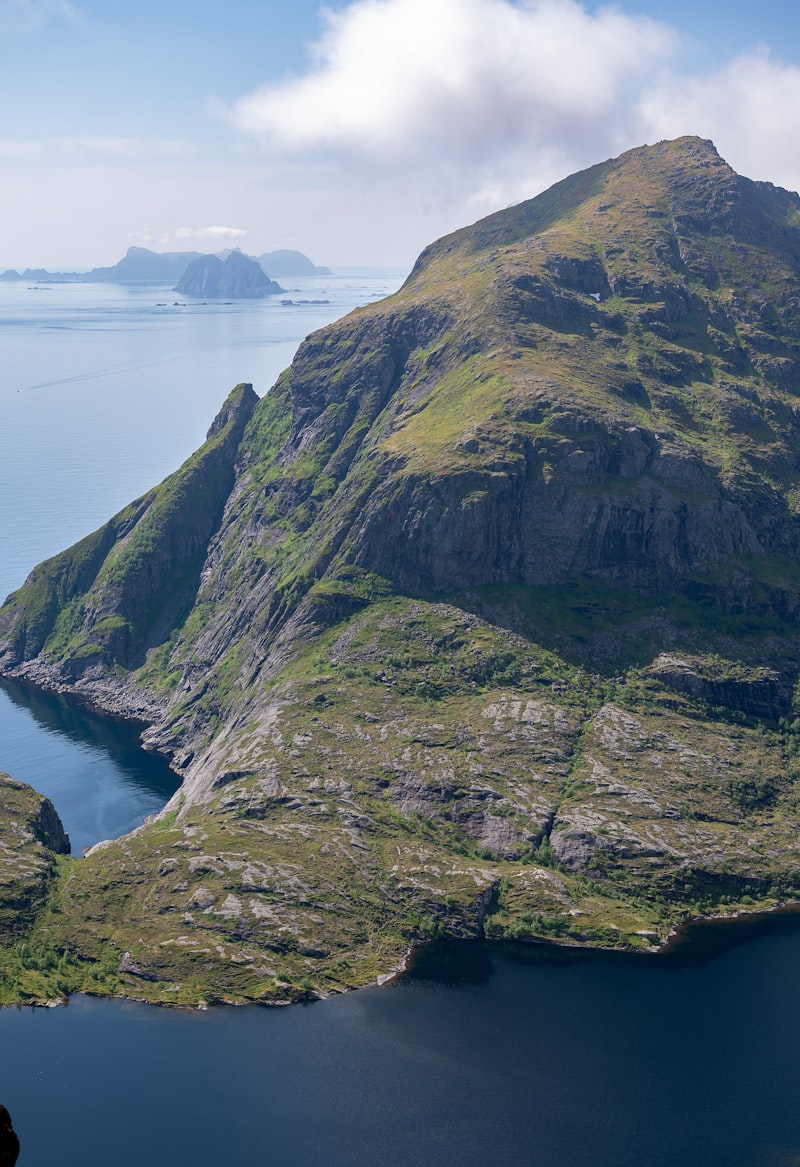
<point x="677" y="944"/>
<point x="692" y="936"/>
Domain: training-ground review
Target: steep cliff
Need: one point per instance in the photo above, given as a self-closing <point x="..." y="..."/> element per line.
<point x="31" y="835"/>
<point x="482" y="621"/>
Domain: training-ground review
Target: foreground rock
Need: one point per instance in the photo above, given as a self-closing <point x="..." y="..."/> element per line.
<point x="9" y="1142"/>
<point x="482" y="622"/>
<point x="31" y="835"/>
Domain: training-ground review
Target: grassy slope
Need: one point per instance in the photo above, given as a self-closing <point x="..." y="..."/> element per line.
<point x="412" y="779"/>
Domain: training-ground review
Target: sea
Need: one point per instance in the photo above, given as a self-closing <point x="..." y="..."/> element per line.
<point x="501" y="1055"/>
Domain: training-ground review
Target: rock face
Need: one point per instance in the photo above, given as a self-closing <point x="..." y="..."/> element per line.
<point x="235" y="278"/>
<point x="136" y="595"/>
<point x="9" y="1142"/>
<point x="482" y="622"/>
<point x="31" y="834"/>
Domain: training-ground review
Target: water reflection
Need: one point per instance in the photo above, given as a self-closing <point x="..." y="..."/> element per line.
<point x="455" y="963"/>
<point x="600" y="1061"/>
<point x="93" y="768"/>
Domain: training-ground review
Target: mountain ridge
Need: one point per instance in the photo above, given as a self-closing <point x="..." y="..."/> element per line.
<point x="491" y="628"/>
<point x="142" y="265"/>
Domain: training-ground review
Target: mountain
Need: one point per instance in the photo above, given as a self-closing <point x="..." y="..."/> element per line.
<point x="290" y="263"/>
<point x="141" y="265"/>
<point x="236" y="277"/>
<point x="483" y="621"/>
<point x="138" y="265"/>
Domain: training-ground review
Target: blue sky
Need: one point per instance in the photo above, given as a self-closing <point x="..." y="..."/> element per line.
<point x="360" y="132"/>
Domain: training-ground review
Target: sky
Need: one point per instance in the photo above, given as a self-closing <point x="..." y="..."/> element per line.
<point x="359" y="131"/>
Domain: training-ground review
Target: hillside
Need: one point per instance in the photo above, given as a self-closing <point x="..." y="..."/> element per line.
<point x="482" y="622"/>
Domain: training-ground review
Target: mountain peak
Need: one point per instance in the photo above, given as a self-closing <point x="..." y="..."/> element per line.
<point x="649" y="193"/>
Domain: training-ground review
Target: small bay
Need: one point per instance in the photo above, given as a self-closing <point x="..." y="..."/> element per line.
<point x="93" y="769"/>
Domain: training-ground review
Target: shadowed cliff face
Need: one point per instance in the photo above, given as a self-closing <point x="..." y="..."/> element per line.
<point x="484" y="618"/>
<point x="236" y="276"/>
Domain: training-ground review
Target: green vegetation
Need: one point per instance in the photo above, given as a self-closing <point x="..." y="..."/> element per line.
<point x="482" y="622"/>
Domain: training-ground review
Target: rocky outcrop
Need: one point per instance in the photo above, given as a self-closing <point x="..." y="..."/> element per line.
<point x="31" y="834"/>
<point x="760" y="692"/>
<point x="141" y="265"/>
<point x="234" y="278"/>
<point x="137" y="577"/>
<point x="9" y="1142"/>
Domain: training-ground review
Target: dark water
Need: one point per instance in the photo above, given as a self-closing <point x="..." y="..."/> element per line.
<point x="93" y="769"/>
<point x="482" y="1056"/>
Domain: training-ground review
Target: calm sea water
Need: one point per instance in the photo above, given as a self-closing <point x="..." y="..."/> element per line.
<point x="104" y="390"/>
<point x="504" y="1057"/>
<point x="501" y="1056"/>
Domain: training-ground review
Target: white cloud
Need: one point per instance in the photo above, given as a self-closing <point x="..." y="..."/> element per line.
<point x="210" y="233"/>
<point x="413" y="117"/>
<point x="457" y="79"/>
<point x="749" y="108"/>
<point x="468" y="105"/>
<point x="20" y="148"/>
<point x="148" y="236"/>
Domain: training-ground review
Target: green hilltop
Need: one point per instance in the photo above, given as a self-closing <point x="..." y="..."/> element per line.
<point x="482" y="622"/>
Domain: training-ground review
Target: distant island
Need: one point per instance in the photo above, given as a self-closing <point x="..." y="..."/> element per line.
<point x="140" y="265"/>
<point x="290" y="263"/>
<point x="236" y="276"/>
